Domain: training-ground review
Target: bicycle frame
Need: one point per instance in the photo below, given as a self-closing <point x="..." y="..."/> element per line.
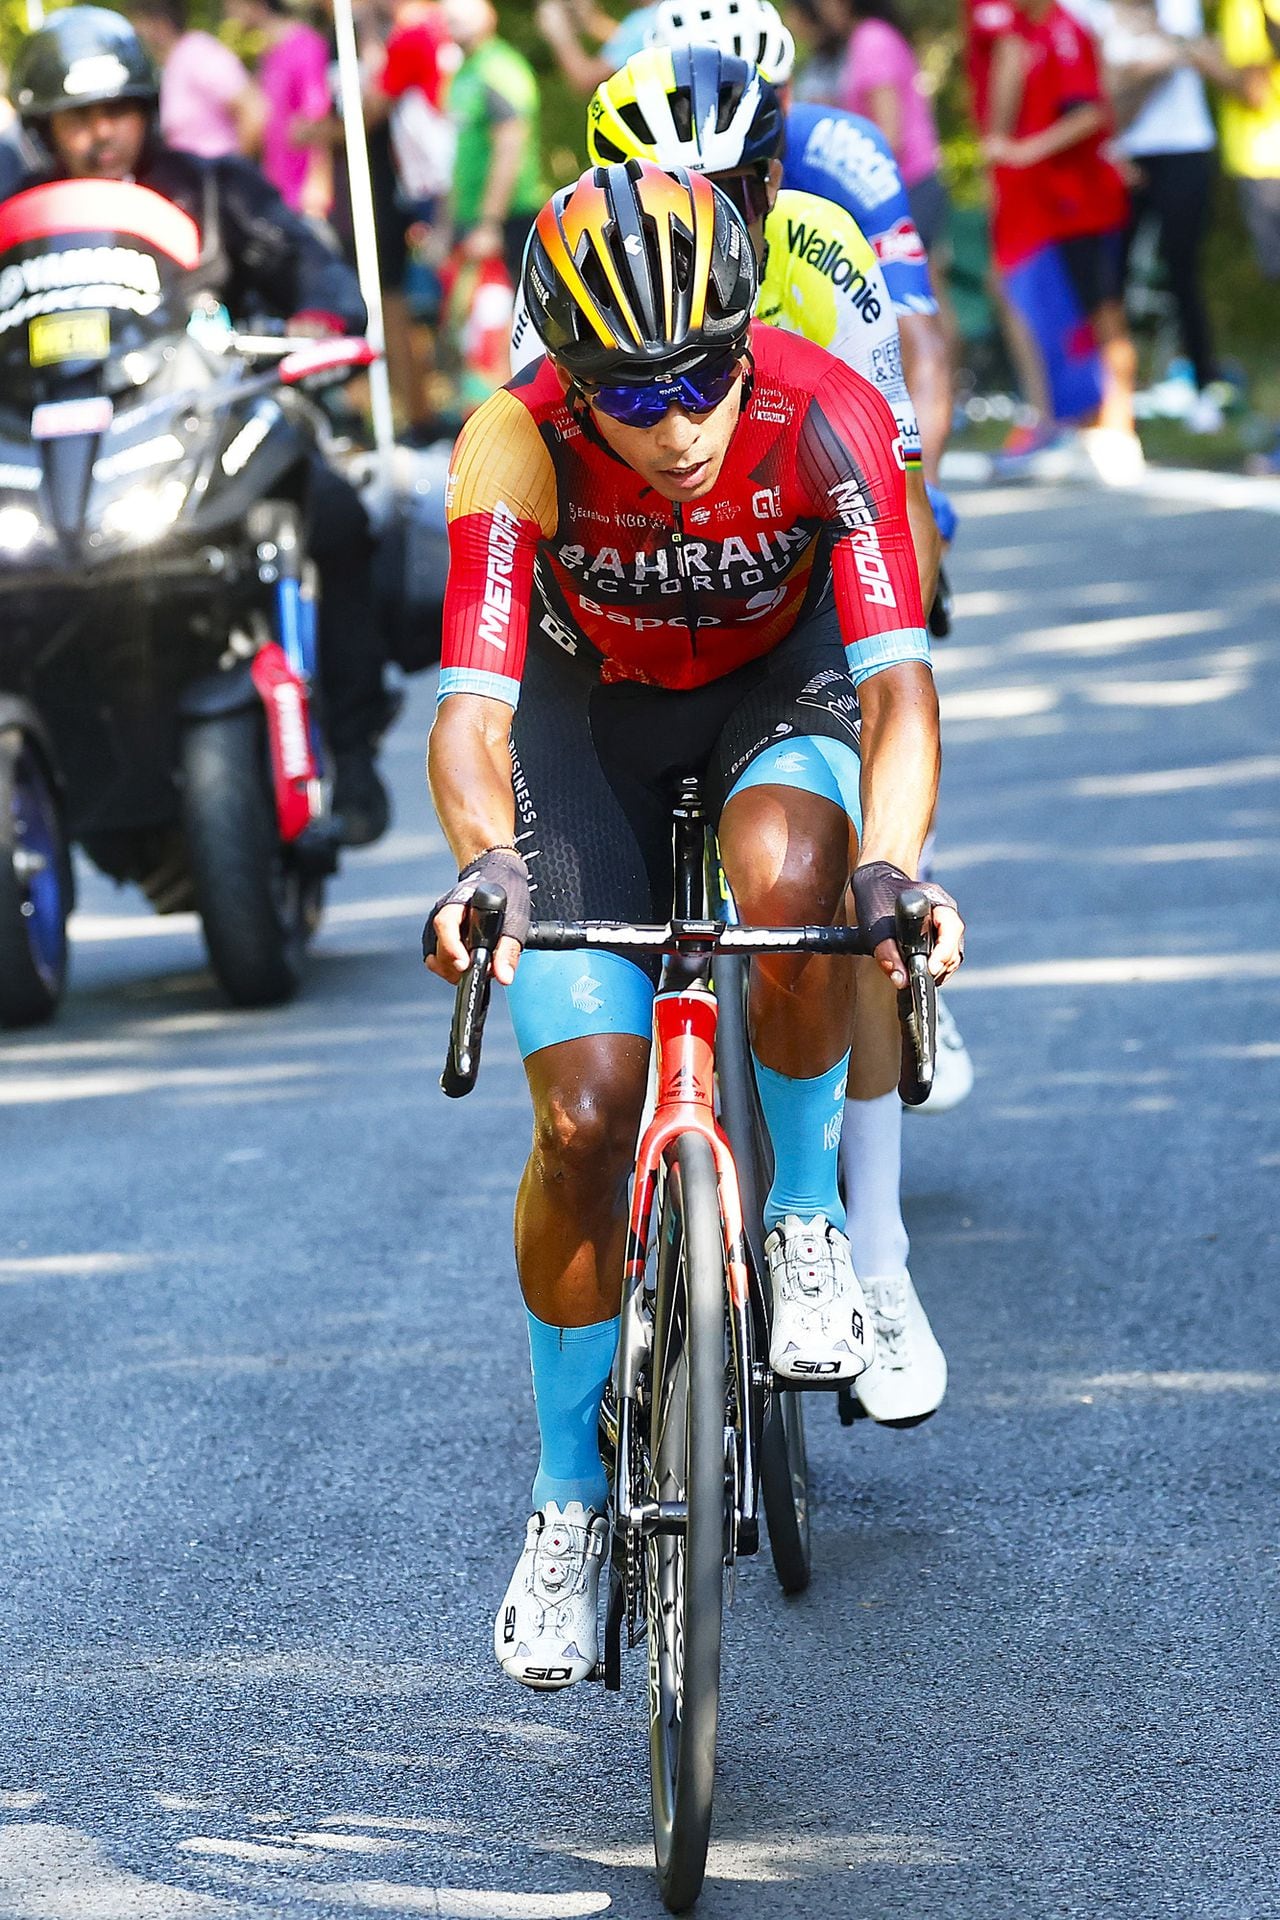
<point x="684" y="1030"/>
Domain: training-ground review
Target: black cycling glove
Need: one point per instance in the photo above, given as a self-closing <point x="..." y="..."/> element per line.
<point x="497" y="867"/>
<point x="876" y="888"/>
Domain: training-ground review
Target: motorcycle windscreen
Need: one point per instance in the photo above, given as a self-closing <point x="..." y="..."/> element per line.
<point x="91" y="272"/>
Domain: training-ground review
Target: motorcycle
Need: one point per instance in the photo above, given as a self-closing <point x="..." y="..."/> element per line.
<point x="158" y="686"/>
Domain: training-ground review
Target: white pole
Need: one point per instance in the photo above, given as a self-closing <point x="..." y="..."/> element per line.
<point x="35" y="15"/>
<point x="365" y="232"/>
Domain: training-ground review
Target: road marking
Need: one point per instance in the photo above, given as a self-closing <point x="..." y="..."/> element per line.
<point x="1230" y="773"/>
<point x="1136" y="970"/>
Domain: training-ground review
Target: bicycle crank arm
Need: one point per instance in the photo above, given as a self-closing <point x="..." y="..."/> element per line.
<point x="659" y="1516"/>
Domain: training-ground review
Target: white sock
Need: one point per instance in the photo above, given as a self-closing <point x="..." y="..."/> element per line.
<point x="871" y="1160"/>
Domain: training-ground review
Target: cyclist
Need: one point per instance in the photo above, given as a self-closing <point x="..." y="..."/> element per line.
<point x="697" y="107"/>
<point x="679" y="545"/>
<point x="88" y="98"/>
<point x="845" y="158"/>
<point x="694" y="106"/>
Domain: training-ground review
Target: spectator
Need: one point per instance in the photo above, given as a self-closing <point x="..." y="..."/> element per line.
<point x="411" y="152"/>
<point x="825" y="26"/>
<point x="985" y="22"/>
<point x="567" y="24"/>
<point x="1167" y="133"/>
<point x="1054" y="188"/>
<point x="882" y="81"/>
<point x="493" y="103"/>
<point x="1250" y="31"/>
<point x="208" y="103"/>
<point x="293" y="73"/>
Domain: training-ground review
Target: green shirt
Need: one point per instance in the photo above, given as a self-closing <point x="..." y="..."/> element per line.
<point x="493" y="84"/>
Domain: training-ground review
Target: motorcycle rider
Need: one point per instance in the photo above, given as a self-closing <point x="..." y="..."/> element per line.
<point x="88" y="98"/>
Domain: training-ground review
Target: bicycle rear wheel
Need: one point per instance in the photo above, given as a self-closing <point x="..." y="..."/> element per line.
<point x="784" y="1461"/>
<point x="684" y="1569"/>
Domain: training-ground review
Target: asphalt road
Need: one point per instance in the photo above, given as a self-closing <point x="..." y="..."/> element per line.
<point x="264" y="1414"/>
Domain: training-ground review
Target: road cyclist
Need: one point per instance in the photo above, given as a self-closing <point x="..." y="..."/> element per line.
<point x="693" y="105"/>
<point x="679" y="545"/>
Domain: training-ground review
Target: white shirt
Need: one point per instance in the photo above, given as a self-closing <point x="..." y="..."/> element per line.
<point x="1174" y="117"/>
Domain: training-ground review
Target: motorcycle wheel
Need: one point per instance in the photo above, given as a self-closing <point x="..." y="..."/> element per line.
<point x="258" y="909"/>
<point x="35" y="887"/>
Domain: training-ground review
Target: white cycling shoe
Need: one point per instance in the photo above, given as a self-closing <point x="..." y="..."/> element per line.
<point x="907" y="1378"/>
<point x="547" y="1631"/>
<point x="952" y="1067"/>
<point x="822" y="1331"/>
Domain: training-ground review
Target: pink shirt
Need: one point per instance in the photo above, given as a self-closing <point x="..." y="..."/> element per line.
<point x="880" y="57"/>
<point x="294" y="75"/>
<point x="201" y="80"/>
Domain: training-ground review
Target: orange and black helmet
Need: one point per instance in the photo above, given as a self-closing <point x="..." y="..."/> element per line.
<point x="635" y="272"/>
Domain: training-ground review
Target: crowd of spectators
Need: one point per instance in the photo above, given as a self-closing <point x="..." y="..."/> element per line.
<point x="1093" y="117"/>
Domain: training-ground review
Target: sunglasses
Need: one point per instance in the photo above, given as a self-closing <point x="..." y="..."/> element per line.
<point x="698" y="391"/>
<point x="747" y="191"/>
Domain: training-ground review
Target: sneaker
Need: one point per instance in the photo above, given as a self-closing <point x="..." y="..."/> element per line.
<point x="1113" y="456"/>
<point x="822" y="1332"/>
<point x="360" y="800"/>
<point x="908" y="1376"/>
<point x="952" y="1067"/>
<point x="1205" y="415"/>
<point x="547" y="1633"/>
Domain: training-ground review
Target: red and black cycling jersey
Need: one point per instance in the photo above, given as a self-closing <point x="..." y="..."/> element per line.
<point x="543" y="518"/>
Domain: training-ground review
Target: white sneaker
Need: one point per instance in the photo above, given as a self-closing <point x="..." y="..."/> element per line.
<point x="908" y="1376"/>
<point x="952" y="1067"/>
<point x="1113" y="456"/>
<point x="546" y="1634"/>
<point x="1205" y="415"/>
<point x="822" y="1332"/>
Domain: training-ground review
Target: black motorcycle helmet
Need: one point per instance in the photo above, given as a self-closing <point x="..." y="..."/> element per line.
<point x="80" y="56"/>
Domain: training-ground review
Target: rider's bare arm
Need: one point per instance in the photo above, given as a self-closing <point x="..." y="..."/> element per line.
<point x="924" y="535"/>
<point x="926" y="364"/>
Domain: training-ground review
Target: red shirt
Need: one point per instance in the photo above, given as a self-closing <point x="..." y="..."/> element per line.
<point x="413" y="58"/>
<point x="1077" y="191"/>
<point x="985" y="21"/>
<point x="676" y="595"/>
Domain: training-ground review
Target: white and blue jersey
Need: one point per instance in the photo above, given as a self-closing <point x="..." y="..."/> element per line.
<point x="842" y="157"/>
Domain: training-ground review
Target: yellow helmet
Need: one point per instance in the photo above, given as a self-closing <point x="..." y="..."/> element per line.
<point x="686" y="106"/>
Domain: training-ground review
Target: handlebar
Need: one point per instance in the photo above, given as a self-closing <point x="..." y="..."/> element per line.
<point x="917" y="1004"/>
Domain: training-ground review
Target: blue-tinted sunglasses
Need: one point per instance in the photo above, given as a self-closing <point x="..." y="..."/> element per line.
<point x="697" y="391"/>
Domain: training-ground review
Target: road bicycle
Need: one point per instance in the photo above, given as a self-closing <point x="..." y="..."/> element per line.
<point x="696" y="1432"/>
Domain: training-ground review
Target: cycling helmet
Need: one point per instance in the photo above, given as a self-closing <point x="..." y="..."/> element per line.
<point x="686" y="107"/>
<point x="80" y="56"/>
<point x="753" y="30"/>
<point x="634" y="273"/>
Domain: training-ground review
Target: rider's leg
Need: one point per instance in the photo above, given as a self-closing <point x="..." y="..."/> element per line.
<point x="588" y="1089"/>
<point x="871" y="1142"/>
<point x="788" y="850"/>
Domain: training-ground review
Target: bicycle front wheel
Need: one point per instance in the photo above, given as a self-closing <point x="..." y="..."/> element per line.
<point x="684" y="1569"/>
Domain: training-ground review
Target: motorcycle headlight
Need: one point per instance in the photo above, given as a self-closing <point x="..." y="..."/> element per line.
<point x="145" y="512"/>
<point x="19" y="529"/>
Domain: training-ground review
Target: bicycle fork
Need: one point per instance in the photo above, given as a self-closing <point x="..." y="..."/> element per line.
<point x="684" y="1031"/>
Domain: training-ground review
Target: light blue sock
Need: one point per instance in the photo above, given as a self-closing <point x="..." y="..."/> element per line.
<point x="803" y="1118"/>
<point x="570" y="1368"/>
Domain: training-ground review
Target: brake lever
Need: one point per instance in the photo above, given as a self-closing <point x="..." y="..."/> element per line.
<point x="483" y="929"/>
<point x="918" y="1000"/>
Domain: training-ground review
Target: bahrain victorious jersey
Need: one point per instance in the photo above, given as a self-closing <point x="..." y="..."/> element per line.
<point x="546" y="523"/>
